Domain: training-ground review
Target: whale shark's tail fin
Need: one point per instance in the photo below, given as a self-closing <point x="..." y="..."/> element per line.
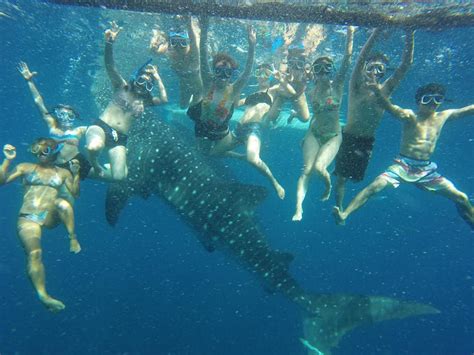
<point x="335" y="315"/>
<point x="115" y="201"/>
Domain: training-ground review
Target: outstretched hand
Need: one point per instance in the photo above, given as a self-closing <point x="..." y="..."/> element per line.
<point x="25" y="71"/>
<point x="9" y="152"/>
<point x="112" y="32"/>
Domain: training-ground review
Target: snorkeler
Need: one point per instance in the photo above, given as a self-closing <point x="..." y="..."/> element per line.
<point x="182" y="48"/>
<point x="323" y="138"/>
<point x="129" y="102"/>
<point x="212" y="108"/>
<point x="296" y="77"/>
<point x="42" y="206"/>
<point x="249" y="129"/>
<point x="364" y="111"/>
<point x="413" y="165"/>
<point x="60" y="121"/>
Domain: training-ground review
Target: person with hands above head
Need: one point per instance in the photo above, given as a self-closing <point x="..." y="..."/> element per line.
<point x="323" y="138"/>
<point x="129" y="101"/>
<point x="253" y="122"/>
<point x="364" y="111"/>
<point x="212" y="108"/>
<point x="61" y="124"/>
<point x="420" y="133"/>
<point x="42" y="206"/>
<point x="181" y="46"/>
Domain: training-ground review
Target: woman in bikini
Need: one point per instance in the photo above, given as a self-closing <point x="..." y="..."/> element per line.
<point x="212" y="108"/>
<point x="323" y="138"/>
<point x="182" y="48"/>
<point x="42" y="206"/>
<point x="128" y="103"/>
<point x="60" y="121"/>
<point x="253" y="121"/>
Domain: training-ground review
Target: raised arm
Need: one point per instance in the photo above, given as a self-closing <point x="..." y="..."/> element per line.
<point x="193" y="38"/>
<point x="396" y="111"/>
<point x="363" y="55"/>
<point x="206" y="74"/>
<point x="346" y="61"/>
<point x="72" y="181"/>
<point x="244" y="77"/>
<point x="162" y="97"/>
<point x="28" y="76"/>
<point x="407" y="60"/>
<point x="9" y="152"/>
<point x="114" y="76"/>
<point x="461" y="112"/>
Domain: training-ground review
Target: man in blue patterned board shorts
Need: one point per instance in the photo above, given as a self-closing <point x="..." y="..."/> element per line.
<point x="420" y="134"/>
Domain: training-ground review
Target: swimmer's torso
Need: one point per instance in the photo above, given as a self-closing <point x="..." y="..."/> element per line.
<point x="122" y="110"/>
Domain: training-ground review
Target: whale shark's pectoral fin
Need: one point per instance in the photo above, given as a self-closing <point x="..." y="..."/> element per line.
<point x="115" y="201"/>
<point x="207" y="243"/>
<point x="336" y="315"/>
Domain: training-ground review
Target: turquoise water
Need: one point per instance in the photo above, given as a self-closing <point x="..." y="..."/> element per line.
<point x="148" y="287"/>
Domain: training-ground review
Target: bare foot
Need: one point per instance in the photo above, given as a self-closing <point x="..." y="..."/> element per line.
<point x="74" y="246"/>
<point x="280" y="191"/>
<point x="339" y="216"/>
<point x="52" y="304"/>
<point x="298" y="216"/>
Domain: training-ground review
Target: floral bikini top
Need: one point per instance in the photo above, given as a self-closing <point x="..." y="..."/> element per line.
<point x="217" y="114"/>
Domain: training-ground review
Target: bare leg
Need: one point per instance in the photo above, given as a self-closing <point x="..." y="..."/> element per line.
<point x="465" y="208"/>
<point x="310" y="151"/>
<point x="340" y="191"/>
<point x="95" y="142"/>
<point x="326" y="155"/>
<point x="361" y="199"/>
<point x="66" y="214"/>
<point x="253" y="157"/>
<point x="30" y="236"/>
<point x="118" y="163"/>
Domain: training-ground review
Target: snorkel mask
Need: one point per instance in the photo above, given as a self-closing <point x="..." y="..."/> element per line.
<point x="137" y="80"/>
<point x="437" y="99"/>
<point x="45" y="149"/>
<point x="223" y="72"/>
<point x="375" y="70"/>
<point x="323" y="67"/>
<point x="178" y="39"/>
<point x="65" y="115"/>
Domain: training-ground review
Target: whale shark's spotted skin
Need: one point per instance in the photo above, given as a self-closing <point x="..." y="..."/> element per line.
<point x="221" y="213"/>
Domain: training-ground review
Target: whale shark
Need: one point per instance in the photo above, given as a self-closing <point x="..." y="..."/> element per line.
<point x="222" y="215"/>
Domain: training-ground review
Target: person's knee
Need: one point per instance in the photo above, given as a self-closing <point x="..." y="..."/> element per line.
<point x="95" y="145"/>
<point x="119" y="174"/>
<point x="376" y="186"/>
<point x="253" y="158"/>
<point x="461" y="198"/>
<point x="34" y="256"/>
<point x="320" y="169"/>
<point x="62" y="205"/>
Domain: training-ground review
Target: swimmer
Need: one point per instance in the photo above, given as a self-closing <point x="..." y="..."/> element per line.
<point x="250" y="127"/>
<point x="130" y="99"/>
<point x="182" y="48"/>
<point x="60" y="121"/>
<point x="420" y="134"/>
<point x="323" y="138"/>
<point x="364" y="111"/>
<point x="296" y="77"/>
<point x="42" y="206"/>
<point x="212" y="108"/>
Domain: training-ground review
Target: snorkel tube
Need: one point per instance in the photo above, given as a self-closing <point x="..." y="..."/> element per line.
<point x="140" y="70"/>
